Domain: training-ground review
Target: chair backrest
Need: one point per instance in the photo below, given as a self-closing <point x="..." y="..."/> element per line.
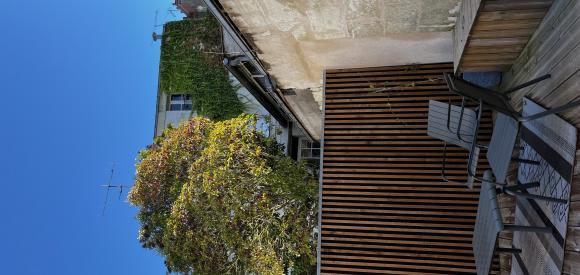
<point x="488" y="225"/>
<point x="490" y="98"/>
<point x="443" y="122"/>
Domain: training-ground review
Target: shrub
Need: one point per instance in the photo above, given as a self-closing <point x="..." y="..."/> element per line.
<point x="219" y="197"/>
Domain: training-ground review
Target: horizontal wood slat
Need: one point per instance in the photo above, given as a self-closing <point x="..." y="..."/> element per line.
<point x="497" y="33"/>
<point x="385" y="207"/>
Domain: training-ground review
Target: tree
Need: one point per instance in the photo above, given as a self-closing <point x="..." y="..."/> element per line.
<point x="220" y="197"/>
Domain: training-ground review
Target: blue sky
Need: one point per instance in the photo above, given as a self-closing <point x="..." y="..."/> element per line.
<point x="78" y="84"/>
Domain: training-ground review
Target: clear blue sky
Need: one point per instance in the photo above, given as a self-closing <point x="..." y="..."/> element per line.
<point x="78" y="84"/>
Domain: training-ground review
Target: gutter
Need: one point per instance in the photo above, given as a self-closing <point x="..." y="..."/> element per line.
<point x="266" y="87"/>
<point x="158" y="87"/>
<point x="156" y="111"/>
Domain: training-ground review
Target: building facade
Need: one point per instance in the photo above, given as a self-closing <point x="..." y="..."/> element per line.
<point x="252" y="89"/>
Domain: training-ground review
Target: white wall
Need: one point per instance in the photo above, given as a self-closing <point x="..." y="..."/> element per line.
<point x="165" y="118"/>
<point x="266" y="123"/>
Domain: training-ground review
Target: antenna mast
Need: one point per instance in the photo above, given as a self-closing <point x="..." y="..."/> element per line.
<point x="109" y="186"/>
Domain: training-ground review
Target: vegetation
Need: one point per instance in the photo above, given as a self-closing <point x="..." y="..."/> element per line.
<point x="220" y="197"/>
<point x="190" y="63"/>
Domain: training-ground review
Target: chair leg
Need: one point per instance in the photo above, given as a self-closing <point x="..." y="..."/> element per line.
<point x="522" y="186"/>
<point x="522" y="228"/>
<point x="509" y="250"/>
<point x="526" y="161"/>
<point x="444" y="163"/>
<point x="534" y="197"/>
<point x="526" y="84"/>
<point x="556" y="110"/>
<point x="521" y="263"/>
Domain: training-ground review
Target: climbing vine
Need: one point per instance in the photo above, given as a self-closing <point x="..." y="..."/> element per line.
<point x="189" y="65"/>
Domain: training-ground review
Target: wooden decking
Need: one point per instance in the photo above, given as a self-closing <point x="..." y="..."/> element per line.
<point x="555" y="49"/>
<point x="385" y="208"/>
<point x="490" y="34"/>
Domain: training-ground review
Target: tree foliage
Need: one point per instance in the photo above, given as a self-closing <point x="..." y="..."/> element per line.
<point x="220" y="197"/>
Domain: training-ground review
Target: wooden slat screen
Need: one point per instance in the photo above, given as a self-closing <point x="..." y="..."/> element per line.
<point x="385" y="208"/>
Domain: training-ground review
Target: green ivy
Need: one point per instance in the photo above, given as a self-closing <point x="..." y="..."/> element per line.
<point x="190" y="63"/>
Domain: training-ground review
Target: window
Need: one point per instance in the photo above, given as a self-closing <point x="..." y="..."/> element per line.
<point x="180" y="103"/>
<point x="309" y="152"/>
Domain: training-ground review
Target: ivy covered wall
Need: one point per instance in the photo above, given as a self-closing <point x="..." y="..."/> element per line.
<point x="191" y="63"/>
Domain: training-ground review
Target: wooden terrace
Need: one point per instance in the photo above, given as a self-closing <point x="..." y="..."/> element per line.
<point x="385" y="208"/>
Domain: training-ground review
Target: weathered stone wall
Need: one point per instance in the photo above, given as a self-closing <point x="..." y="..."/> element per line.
<point x="298" y="39"/>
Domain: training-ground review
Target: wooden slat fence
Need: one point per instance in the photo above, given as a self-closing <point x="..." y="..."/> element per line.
<point x="385" y="208"/>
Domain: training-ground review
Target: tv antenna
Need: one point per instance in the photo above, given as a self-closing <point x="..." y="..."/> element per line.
<point x="155" y="19"/>
<point x="109" y="186"/>
<point x="156" y="36"/>
<point x="172" y="12"/>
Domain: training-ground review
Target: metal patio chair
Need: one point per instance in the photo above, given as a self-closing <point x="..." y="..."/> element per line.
<point x="447" y="122"/>
<point x="489" y="224"/>
<point x="506" y="127"/>
<point x="455" y="125"/>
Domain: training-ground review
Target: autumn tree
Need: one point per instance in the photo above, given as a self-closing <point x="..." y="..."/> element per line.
<point x="220" y="197"/>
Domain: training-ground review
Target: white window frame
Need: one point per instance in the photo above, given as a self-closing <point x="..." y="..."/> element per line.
<point x="312" y="158"/>
<point x="182" y="100"/>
